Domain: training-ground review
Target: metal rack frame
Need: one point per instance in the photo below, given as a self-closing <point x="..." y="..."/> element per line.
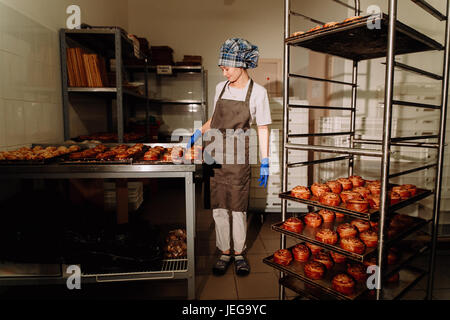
<point x="387" y="141"/>
<point x="172" y="268"/>
<point x="122" y="46"/>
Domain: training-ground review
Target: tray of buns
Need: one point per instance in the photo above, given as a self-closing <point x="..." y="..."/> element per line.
<point x="102" y="154"/>
<point x="355" y="196"/>
<point x="343" y="278"/>
<point x="361" y="38"/>
<point x="161" y="155"/>
<point x="111" y="137"/>
<point x="353" y="238"/>
<point x="408" y="277"/>
<point x="37" y="154"/>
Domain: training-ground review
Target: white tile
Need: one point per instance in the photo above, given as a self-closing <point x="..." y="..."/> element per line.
<point x="13" y="70"/>
<point x="2" y="123"/>
<point x="15" y="122"/>
<point x="11" y="27"/>
<point x="32" y="111"/>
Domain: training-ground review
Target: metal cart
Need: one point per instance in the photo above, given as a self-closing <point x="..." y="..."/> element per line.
<point x="171" y="268"/>
<point x="350" y="42"/>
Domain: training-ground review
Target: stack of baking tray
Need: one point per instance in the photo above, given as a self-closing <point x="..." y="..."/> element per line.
<point x="350" y="40"/>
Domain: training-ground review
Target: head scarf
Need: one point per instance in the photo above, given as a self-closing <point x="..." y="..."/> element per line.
<point x="238" y="53"/>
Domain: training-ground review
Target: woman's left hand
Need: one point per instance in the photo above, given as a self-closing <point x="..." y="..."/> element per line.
<point x="264" y="172"/>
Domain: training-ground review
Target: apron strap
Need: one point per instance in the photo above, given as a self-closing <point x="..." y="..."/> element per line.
<point x="249" y="91"/>
<point x="223" y="90"/>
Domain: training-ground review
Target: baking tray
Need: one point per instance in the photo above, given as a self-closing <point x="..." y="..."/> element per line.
<point x="355" y="41"/>
<point x="296" y="269"/>
<point x="408" y="278"/>
<point x="372" y="215"/>
<point x="308" y="235"/>
<point x="94" y="161"/>
<point x="58" y="158"/>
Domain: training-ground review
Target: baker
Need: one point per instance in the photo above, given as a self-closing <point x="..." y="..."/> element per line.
<point x="238" y="103"/>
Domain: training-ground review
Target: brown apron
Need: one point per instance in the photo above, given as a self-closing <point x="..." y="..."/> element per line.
<point x="230" y="183"/>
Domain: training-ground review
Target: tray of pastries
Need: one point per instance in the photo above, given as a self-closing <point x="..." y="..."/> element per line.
<point x="101" y="154"/>
<point x="345" y="236"/>
<point x="37" y="154"/>
<point x="341" y="277"/>
<point x="355" y="196"/>
<point x="170" y="155"/>
<point x="111" y="137"/>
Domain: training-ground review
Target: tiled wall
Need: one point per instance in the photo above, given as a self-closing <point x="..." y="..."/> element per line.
<point x="30" y="94"/>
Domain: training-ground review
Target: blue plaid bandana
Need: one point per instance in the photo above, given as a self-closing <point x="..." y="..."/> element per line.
<point x="238" y="53"/>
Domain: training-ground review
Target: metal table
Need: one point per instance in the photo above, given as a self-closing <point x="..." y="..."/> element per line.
<point x="172" y="268"/>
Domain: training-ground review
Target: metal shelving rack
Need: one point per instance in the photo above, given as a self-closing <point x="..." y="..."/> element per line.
<point x="183" y="268"/>
<point x="111" y="43"/>
<point x="395" y="38"/>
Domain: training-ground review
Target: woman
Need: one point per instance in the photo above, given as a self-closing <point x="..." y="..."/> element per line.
<point x="238" y="102"/>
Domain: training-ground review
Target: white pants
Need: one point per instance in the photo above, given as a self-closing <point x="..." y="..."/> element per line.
<point x="222" y="219"/>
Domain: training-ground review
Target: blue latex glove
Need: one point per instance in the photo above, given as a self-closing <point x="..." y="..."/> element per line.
<point x="264" y="172"/>
<point x="197" y="134"/>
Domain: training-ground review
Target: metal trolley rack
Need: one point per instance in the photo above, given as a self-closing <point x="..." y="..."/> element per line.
<point x="171" y="268"/>
<point x="346" y="40"/>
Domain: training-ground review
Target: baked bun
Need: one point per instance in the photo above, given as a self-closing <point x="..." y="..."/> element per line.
<point x="394" y="197"/>
<point x="315" y="270"/>
<point x="330" y="24"/>
<point x="327" y="236"/>
<point x="301" y="192"/>
<point x="337" y="257"/>
<point x="394" y="278"/>
<point x="330" y="199"/>
<point x="343" y="283"/>
<point x="318" y="27"/>
<point x="402" y="192"/>
<point x="361" y="225"/>
<point x="374" y="225"/>
<point x="324" y="257"/>
<point x="335" y="186"/>
<point x="374" y="201"/>
<point x="350" y="195"/>
<point x="374" y="188"/>
<point x="357" y="181"/>
<point x="293" y="224"/>
<point x="346" y="230"/>
<point x="313" y="220"/>
<point x="283" y="257"/>
<point x="411" y="188"/>
<point x="339" y="215"/>
<point x="301" y="253"/>
<point x="392" y="257"/>
<point x="346" y="184"/>
<point x="363" y="191"/>
<point x="327" y="215"/>
<point x="318" y="189"/>
<point x="361" y="206"/>
<point x="357" y="271"/>
<point x="353" y="245"/>
<point x="351" y="19"/>
<point x="313" y="248"/>
<point x="370" y="238"/>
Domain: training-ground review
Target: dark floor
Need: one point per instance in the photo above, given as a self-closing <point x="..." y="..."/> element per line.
<point x="261" y="284"/>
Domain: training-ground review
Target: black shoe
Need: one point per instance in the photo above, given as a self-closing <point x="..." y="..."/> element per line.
<point x="241" y="265"/>
<point x="221" y="266"/>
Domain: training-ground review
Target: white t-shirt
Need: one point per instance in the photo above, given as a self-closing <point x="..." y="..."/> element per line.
<point x="259" y="101"/>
